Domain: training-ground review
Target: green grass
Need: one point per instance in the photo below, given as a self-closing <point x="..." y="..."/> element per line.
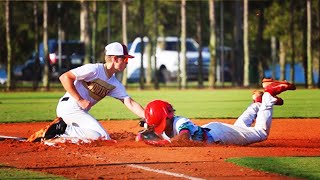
<point x="299" y="167"/>
<point x="12" y="173"/>
<point x="220" y="103"/>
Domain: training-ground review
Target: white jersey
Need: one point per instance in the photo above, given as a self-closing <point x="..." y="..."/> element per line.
<point x="93" y="84"/>
<point x="197" y="133"/>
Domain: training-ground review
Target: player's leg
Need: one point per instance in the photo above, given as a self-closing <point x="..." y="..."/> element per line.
<point x="241" y="133"/>
<point x="264" y="115"/>
<point x="269" y="98"/>
<point x="224" y="133"/>
<point x="80" y="123"/>
<point x="248" y="116"/>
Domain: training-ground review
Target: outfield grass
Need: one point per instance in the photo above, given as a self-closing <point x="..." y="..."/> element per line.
<point x="299" y="167"/>
<point x="41" y="106"/>
<point x="12" y="173"/>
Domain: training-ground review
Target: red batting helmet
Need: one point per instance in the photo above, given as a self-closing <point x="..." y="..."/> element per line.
<point x="156" y="113"/>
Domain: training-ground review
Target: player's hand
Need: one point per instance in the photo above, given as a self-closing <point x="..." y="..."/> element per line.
<point x="84" y="104"/>
<point x="158" y="143"/>
<point x="147" y="135"/>
<point x="111" y="141"/>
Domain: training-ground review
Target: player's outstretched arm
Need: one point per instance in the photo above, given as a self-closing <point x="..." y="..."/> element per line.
<point x="133" y="106"/>
<point x="182" y="138"/>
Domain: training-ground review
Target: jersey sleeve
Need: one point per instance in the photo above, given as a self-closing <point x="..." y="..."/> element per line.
<point x="86" y="72"/>
<point x="196" y="132"/>
<point x="182" y="123"/>
<point x="119" y="92"/>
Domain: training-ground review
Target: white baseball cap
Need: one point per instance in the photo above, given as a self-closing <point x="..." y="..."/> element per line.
<point x="117" y="49"/>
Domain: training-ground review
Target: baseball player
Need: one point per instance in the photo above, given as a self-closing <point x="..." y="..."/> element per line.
<point x="161" y="119"/>
<point x="85" y="86"/>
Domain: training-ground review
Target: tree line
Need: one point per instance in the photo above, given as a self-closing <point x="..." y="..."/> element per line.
<point x="260" y="33"/>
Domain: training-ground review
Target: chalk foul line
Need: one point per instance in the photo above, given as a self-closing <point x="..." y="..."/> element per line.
<point x="164" y="172"/>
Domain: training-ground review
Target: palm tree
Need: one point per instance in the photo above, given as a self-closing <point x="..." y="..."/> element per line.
<point x="149" y="65"/>
<point x="9" y="50"/>
<point x="304" y="49"/>
<point x="141" y="8"/>
<point x="245" y="44"/>
<point x="84" y="28"/>
<point x="273" y="47"/>
<point x="259" y="39"/>
<point x="183" y="46"/>
<point x="36" y="68"/>
<point x="319" y="46"/>
<point x="46" y="77"/>
<point x="309" y="48"/>
<point x="199" y="38"/>
<point x="94" y="30"/>
<point x="154" y="43"/>
<point x="282" y="58"/>
<point x="292" y="72"/>
<point x="124" y="36"/>
<point x="212" y="46"/>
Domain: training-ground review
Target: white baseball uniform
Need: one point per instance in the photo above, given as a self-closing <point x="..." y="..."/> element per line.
<point x="240" y="133"/>
<point x="92" y="84"/>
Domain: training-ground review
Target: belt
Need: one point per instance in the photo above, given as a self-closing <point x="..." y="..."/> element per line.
<point x="65" y="99"/>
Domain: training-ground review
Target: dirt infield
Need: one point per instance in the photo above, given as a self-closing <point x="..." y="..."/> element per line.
<point x="128" y="159"/>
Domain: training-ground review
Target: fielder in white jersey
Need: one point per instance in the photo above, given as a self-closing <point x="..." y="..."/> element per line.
<point x="85" y="86"/>
<point x="160" y="118"/>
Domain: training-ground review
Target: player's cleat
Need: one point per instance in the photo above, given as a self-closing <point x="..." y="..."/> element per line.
<point x="257" y="97"/>
<point x="277" y="87"/>
<point x="56" y="127"/>
<point x="267" y="81"/>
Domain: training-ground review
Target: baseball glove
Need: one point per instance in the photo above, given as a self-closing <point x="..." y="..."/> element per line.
<point x="146" y="134"/>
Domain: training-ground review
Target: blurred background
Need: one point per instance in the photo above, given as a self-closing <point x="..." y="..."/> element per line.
<point x="179" y="44"/>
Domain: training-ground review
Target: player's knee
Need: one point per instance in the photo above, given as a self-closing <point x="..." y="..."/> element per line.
<point x="92" y="134"/>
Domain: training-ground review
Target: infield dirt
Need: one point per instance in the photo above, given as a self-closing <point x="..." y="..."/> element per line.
<point x="128" y="159"/>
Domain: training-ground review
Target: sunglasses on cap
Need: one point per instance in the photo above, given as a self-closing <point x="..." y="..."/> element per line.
<point x="125" y="58"/>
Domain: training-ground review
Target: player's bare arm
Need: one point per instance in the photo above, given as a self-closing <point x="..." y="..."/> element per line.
<point x="183" y="136"/>
<point x="133" y="106"/>
<point x="67" y="79"/>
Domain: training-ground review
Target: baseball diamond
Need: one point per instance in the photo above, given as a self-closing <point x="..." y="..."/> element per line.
<point x="128" y="159"/>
